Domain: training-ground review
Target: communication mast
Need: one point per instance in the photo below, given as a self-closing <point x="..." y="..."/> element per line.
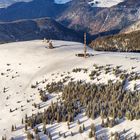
<point x="85" y="45"/>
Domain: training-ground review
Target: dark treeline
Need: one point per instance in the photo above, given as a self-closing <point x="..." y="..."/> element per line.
<point x="121" y="42"/>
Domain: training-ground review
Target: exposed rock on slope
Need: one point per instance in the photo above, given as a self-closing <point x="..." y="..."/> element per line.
<point x="122" y="42"/>
<point x="97" y="20"/>
<point x="36" y="29"/>
<point x="133" y="27"/>
<point x="78" y="15"/>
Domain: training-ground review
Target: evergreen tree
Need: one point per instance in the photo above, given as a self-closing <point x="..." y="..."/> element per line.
<point x="83" y="127"/>
<point x="36" y="130"/>
<point x="15" y="127"/>
<point x="116" y="136"/>
<point x="49" y="135"/>
<point x="90" y="134"/>
<point x="26" y="127"/>
<point x="103" y="124"/>
<point x="80" y="130"/>
<point x="26" y="117"/>
<point x="50" y="45"/>
<point x="78" y="122"/>
<point x="59" y="134"/>
<point x="12" y="129"/>
<point x="135" y="136"/>
<point x="37" y="137"/>
<point x="71" y="133"/>
<point x="93" y="127"/>
<point x="45" y="131"/>
<point x="58" y="117"/>
<point x="29" y="136"/>
<point x="44" y="128"/>
<point x="64" y="135"/>
<point x="22" y="121"/>
<point x="4" y="138"/>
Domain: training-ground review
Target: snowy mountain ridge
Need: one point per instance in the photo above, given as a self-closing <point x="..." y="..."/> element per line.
<point x="104" y="3"/>
<point x="62" y="1"/>
<point x="93" y="3"/>
<point x="6" y="3"/>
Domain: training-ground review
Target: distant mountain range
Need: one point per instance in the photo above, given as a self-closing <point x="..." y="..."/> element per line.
<point x="95" y="20"/>
<point x="96" y="17"/>
<point x="35" y="29"/>
<point x="93" y="3"/>
<point x="78" y="15"/>
<point x="6" y="3"/>
<point x="31" y="10"/>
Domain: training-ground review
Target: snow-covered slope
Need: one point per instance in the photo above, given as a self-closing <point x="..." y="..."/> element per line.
<point x="23" y="63"/>
<point x="62" y="1"/>
<point x="94" y="3"/>
<point x="104" y="3"/>
<point x="5" y="3"/>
